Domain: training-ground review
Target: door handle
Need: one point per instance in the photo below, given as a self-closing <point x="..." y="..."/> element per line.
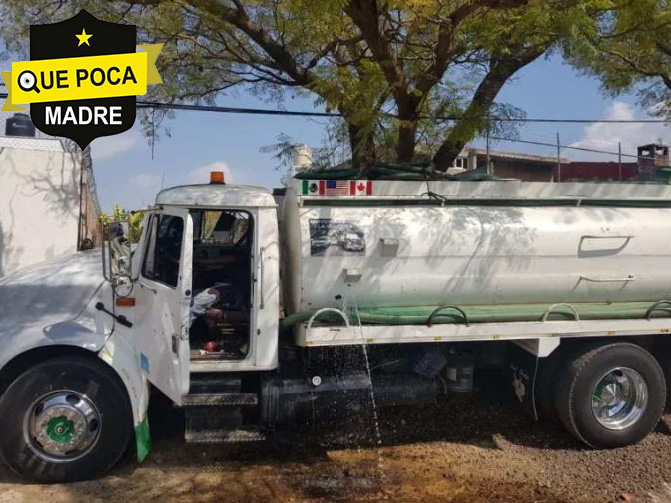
<point x="175" y="344"/>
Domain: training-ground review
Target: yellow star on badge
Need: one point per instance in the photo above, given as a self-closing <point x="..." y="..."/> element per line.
<point x="83" y="38"/>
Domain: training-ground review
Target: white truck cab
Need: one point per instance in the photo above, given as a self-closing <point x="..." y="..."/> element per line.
<point x="184" y="251"/>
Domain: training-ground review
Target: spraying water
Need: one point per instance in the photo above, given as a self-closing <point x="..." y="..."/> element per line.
<point x="364" y="347"/>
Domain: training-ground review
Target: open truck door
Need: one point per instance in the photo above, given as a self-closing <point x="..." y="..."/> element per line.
<point x="163" y="301"/>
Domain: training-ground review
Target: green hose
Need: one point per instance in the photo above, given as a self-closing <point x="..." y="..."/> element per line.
<point x="419" y="315"/>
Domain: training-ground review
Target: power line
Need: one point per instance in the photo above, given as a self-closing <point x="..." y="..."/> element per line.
<point x="232" y="110"/>
<point x="260" y="111"/>
<point x="296" y="113"/>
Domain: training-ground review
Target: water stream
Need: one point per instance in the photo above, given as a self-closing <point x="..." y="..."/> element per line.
<point x="349" y="305"/>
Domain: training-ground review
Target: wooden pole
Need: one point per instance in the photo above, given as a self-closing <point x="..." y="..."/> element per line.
<point x="558" y="159"/>
<point x="489" y="170"/>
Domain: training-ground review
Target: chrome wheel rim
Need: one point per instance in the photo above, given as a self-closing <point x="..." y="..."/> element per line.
<point x="62" y="426"/>
<point x="619" y="398"/>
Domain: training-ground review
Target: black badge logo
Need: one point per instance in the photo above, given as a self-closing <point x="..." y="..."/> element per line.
<point x="80" y="36"/>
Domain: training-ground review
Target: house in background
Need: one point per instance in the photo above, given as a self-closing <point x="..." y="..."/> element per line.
<point x="652" y="164"/>
<point x="48" y="203"/>
<point x="529" y="167"/>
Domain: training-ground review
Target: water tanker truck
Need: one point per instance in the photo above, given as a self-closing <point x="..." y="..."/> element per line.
<point x="244" y="307"/>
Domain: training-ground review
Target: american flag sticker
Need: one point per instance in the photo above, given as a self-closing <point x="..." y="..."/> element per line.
<point x="336" y="188"/>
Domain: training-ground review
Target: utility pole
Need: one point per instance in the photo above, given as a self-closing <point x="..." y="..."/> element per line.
<point x="558" y="159"/>
<point x="619" y="161"/>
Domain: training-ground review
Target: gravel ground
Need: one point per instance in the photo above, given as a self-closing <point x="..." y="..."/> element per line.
<point x="464" y="449"/>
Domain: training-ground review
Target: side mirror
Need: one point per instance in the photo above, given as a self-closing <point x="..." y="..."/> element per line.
<point x="117" y="256"/>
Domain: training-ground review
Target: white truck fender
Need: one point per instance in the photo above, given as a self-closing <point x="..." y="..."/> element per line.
<point x="121" y="355"/>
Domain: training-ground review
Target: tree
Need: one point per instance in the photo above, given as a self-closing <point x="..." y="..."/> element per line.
<point x="630" y="48"/>
<point x="119" y="214"/>
<point x="396" y="66"/>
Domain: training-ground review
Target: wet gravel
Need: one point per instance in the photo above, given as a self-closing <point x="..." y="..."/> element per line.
<point x="467" y="448"/>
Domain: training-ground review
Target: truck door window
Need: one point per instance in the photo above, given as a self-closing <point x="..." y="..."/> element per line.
<point x="221" y="227"/>
<point x="164" y="250"/>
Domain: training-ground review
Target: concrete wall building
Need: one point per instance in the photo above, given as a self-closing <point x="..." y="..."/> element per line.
<point x="48" y="204"/>
<point x="589" y="171"/>
<point x="533" y="168"/>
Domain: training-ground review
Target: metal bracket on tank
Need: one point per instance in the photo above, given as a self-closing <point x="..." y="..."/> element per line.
<point x="561" y="304"/>
<point x="655" y="307"/>
<point x="328" y="310"/>
<point x="352" y="275"/>
<point x="446" y="306"/>
<point x="388" y="247"/>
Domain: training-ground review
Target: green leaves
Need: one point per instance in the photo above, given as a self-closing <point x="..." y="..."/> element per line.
<point x="392" y="69"/>
<point x="628" y="47"/>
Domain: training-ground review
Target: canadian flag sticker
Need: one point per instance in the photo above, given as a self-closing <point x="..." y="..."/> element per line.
<point x="360" y="187"/>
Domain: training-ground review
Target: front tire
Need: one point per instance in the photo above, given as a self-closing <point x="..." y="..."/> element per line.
<point x="65" y="419"/>
<point x="611" y="396"/>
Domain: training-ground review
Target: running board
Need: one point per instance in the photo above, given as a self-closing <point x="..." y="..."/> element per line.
<point x="220" y="399"/>
<point x="223" y="436"/>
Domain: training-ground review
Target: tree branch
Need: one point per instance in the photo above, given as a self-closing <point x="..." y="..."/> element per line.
<point x="482" y="100"/>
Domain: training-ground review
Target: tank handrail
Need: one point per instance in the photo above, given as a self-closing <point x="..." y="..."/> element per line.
<point x="614" y="236"/>
<point x="446" y="306"/>
<point x="608" y="280"/>
<point x="328" y="310"/>
<point x="655" y="307"/>
<point x="560" y="304"/>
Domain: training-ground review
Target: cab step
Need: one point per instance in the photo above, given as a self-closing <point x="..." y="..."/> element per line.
<point x="220" y="399"/>
<point x="223" y="436"/>
<point x="208" y="383"/>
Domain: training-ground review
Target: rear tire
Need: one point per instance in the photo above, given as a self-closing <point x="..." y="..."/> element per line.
<point x="611" y="396"/>
<point x="65" y="419"/>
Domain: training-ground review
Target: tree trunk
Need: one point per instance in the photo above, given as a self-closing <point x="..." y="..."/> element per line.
<point x="362" y="145"/>
<point x="407" y="129"/>
<point x="456" y="140"/>
<point x="407" y="139"/>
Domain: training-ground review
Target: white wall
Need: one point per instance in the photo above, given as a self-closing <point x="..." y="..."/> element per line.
<point x="39" y="201"/>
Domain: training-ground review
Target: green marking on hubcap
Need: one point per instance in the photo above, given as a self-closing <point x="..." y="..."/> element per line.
<point x="60" y="429"/>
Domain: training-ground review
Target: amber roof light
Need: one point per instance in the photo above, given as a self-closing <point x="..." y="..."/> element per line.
<point x="217" y="177"/>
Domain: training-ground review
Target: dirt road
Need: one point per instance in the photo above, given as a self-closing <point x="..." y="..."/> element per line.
<point x="462" y="450"/>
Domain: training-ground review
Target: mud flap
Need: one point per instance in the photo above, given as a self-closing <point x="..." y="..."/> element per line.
<point x="521" y="374"/>
<point x="142" y="440"/>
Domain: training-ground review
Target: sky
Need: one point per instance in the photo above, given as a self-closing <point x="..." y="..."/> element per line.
<point x="200" y="142"/>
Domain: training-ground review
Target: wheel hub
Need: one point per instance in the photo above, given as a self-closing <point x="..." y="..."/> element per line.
<point x="60" y="429"/>
<point x="619" y="398"/>
<point x="610" y="394"/>
<point x="62" y="426"/>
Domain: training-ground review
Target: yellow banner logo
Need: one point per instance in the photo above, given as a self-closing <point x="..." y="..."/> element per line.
<point x="89" y="77"/>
